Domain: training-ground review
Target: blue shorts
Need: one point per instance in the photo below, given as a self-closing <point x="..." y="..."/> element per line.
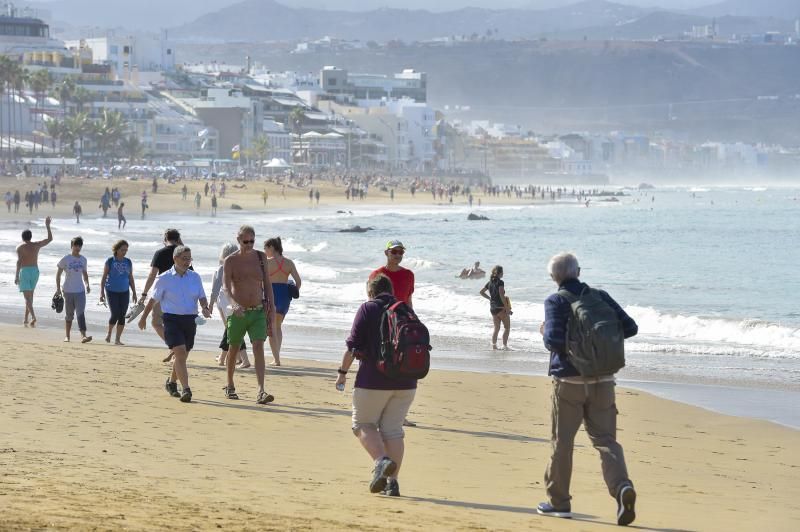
<point x="282" y="299"/>
<point x="179" y="329"/>
<point x="28" y="277"/>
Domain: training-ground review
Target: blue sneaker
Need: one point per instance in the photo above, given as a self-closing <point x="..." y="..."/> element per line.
<point x="545" y="508"/>
<point x="384" y="468"/>
<point x="626" y="500"/>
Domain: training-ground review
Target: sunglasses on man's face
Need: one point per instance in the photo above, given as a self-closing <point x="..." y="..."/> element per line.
<point x="248" y="241"/>
<point x="397" y="251"/>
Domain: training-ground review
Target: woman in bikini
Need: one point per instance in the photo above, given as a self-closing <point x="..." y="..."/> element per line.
<point x="499" y="306"/>
<point x="280" y="269"/>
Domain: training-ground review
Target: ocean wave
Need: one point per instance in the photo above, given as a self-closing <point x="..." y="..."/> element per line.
<point x="764" y="336"/>
<point x="419" y="264"/>
<point x="315" y="271"/>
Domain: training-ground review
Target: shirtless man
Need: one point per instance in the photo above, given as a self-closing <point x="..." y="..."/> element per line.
<point x="252" y="308"/>
<point x="28" y="268"/>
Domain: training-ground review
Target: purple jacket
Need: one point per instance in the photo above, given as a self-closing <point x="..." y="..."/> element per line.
<point x="365" y="340"/>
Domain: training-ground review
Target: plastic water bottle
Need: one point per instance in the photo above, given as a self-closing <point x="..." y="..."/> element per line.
<point x="200" y="320"/>
<point x="340" y="387"/>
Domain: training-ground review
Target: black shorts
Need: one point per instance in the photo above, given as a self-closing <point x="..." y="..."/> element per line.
<point x="496" y="311"/>
<point x="179" y="329"/>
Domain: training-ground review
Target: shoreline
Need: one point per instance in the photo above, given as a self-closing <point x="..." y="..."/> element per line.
<point x="105" y="448"/>
<point x="726" y="398"/>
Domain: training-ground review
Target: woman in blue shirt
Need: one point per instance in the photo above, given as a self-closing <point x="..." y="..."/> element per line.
<point x="117" y="278"/>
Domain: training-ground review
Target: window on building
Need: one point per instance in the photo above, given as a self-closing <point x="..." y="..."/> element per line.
<point x="169" y="51"/>
<point x="113" y="49"/>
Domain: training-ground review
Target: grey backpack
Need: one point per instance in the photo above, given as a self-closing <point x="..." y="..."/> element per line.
<point x="595" y="339"/>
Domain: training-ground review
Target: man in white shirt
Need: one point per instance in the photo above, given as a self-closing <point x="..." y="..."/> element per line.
<point x="73" y="266"/>
<point x="177" y="291"/>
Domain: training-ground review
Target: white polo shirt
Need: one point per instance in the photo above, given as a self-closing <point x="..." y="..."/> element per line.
<point x="178" y="294"/>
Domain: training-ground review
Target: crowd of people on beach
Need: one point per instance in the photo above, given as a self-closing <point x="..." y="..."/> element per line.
<point x="252" y="291"/>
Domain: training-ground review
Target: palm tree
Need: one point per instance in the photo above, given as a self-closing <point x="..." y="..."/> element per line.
<point x="18" y="79"/>
<point x="80" y="96"/>
<point x="296" y="118"/>
<point x="107" y="132"/>
<point x="40" y="82"/>
<point x="260" y="150"/>
<point x="54" y="129"/>
<point x="131" y="147"/>
<point x="63" y="93"/>
<point x="5" y="68"/>
<point x="77" y="127"/>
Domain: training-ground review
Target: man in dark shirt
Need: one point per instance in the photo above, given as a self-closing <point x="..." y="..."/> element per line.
<point x="162" y="261"/>
<point x="579" y="399"/>
<point x="380" y="403"/>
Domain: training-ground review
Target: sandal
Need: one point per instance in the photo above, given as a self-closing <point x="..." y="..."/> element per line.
<point x="230" y="392"/>
<point x="264" y="398"/>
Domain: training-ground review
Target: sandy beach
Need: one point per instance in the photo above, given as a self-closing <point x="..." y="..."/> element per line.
<point x="89" y="440"/>
<point x="245" y="194"/>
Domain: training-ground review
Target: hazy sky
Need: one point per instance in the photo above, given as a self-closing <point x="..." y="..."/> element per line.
<point x="441" y="5"/>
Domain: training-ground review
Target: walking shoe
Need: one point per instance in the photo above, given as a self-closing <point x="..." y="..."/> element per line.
<point x="392" y="488"/>
<point x="545" y="508"/>
<point x="172" y="388"/>
<point x="186" y="396"/>
<point x="626" y="500"/>
<point x="383" y="469"/>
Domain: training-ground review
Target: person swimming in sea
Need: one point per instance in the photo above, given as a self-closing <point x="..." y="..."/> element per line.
<point x="280" y="269"/>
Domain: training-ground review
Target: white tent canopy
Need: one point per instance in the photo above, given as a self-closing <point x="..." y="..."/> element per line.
<point x="277" y="163"/>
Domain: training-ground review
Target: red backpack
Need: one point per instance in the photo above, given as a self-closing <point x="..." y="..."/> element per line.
<point x="405" y="343"/>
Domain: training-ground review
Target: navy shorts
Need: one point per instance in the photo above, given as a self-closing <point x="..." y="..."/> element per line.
<point x="179" y="329"/>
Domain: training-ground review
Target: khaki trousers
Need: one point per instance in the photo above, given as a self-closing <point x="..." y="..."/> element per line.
<point x="595" y="406"/>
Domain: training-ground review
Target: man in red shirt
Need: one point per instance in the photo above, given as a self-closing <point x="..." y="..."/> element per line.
<point x="402" y="281"/>
<point x="402" y="278"/>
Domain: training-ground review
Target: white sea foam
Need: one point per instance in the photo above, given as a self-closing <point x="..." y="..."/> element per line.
<point x="419" y="264"/>
<point x="315" y="272"/>
<point x="727" y="334"/>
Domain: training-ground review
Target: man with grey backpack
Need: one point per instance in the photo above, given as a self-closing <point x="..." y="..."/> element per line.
<point x="584" y="330"/>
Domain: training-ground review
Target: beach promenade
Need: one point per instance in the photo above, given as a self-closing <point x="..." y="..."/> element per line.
<point x="89" y="440"/>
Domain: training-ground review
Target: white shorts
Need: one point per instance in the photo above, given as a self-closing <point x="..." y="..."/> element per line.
<point x="384" y="410"/>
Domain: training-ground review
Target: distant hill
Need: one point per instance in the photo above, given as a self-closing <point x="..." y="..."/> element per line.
<point x="150" y="15"/>
<point x="705" y="90"/>
<point x="268" y="20"/>
<point x="783" y="9"/>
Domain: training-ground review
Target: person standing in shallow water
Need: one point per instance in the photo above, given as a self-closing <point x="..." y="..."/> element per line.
<point x="499" y="306"/>
<point x="121" y="220"/>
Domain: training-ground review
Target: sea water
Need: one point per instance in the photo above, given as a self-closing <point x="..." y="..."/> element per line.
<point x="708" y="274"/>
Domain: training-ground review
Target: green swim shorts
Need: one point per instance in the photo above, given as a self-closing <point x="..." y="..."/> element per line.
<point x="28" y="277"/>
<point x="254" y="323"/>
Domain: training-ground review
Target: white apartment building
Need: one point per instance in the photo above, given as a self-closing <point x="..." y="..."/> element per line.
<point x="144" y="52"/>
<point x="280" y="141"/>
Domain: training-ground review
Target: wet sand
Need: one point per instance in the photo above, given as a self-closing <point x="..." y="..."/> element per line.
<point x="90" y="440"/>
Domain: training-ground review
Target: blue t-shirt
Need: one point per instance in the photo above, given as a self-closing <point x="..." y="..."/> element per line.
<point x="118" y="274"/>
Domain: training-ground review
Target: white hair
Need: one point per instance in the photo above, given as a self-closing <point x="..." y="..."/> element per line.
<point x="180" y="249"/>
<point x="563" y="266"/>
<point x="228" y="249"/>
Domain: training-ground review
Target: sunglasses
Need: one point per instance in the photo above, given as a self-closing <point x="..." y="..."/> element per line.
<point x="397" y="251"/>
<point x="248" y="241"/>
